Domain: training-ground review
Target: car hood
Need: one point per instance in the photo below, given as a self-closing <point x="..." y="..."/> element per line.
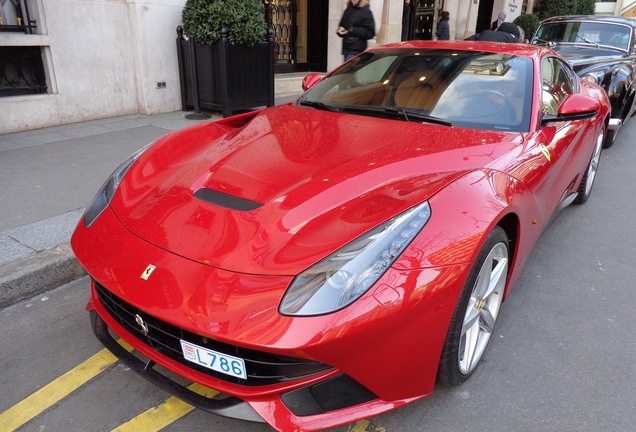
<point x="581" y="56"/>
<point x="277" y="194"/>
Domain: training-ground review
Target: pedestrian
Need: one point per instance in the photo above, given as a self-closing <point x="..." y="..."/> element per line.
<point x="443" y="28"/>
<point x="501" y="18"/>
<point x="406" y="19"/>
<point x="356" y="27"/>
<point x="507" y="32"/>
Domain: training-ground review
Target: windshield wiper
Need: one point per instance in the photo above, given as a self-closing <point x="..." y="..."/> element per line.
<point x="318" y="105"/>
<point x="395" y="112"/>
<point x="587" y="40"/>
<point x="412" y="114"/>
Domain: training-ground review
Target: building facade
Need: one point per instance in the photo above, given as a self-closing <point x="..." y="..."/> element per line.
<point x="65" y="61"/>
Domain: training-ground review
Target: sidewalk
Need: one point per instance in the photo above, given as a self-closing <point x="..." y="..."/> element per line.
<point x="48" y="177"/>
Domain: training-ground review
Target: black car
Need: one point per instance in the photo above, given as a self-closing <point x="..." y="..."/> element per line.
<point x="601" y="49"/>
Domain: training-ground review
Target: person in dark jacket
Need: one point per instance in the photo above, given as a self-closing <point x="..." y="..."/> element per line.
<point x="443" y="28"/>
<point x="356" y="28"/>
<point x="507" y="32"/>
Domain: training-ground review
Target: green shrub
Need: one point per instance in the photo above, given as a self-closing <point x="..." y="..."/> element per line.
<point x="550" y="8"/>
<point x="528" y="23"/>
<point x="244" y="21"/>
<point x="586" y="7"/>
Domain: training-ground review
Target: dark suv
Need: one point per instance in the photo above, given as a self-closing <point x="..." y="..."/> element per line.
<point x="600" y="49"/>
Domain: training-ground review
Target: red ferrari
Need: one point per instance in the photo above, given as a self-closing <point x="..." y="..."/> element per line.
<point x="336" y="257"/>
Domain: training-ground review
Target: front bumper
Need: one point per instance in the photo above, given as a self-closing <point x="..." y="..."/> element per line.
<point x="324" y="401"/>
<point x="384" y="349"/>
<point x="227" y="407"/>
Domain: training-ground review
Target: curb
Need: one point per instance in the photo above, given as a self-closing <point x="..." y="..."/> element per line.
<point x="35" y="274"/>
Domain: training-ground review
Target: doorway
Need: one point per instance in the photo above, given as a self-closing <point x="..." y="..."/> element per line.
<point x="484" y="14"/>
<point x="300" y="34"/>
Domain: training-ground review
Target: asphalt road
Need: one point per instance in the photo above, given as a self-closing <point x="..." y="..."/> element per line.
<point x="563" y="356"/>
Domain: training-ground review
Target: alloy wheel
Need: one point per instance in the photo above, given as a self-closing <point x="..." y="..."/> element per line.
<point x="483" y="308"/>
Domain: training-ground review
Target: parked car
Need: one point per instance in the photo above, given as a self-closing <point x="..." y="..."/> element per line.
<point x="602" y="50"/>
<point x="333" y="258"/>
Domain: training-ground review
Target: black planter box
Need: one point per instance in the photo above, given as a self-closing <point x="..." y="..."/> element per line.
<point x="230" y="77"/>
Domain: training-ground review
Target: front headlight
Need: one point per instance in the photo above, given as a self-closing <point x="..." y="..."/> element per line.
<point x="106" y="192"/>
<point x="342" y="277"/>
<point x="594" y="77"/>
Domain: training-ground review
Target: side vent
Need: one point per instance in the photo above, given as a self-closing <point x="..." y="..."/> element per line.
<point x="226" y="200"/>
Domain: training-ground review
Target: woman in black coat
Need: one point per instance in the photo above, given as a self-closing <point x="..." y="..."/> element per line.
<point x="443" y="28"/>
<point x="356" y="28"/>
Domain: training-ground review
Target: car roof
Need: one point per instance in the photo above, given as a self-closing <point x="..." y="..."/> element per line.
<point x="603" y="19"/>
<point x="519" y="49"/>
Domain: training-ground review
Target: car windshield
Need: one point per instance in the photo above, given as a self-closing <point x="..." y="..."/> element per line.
<point x="479" y="90"/>
<point x="582" y="32"/>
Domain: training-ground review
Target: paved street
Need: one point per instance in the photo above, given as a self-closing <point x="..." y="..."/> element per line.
<point x="563" y="357"/>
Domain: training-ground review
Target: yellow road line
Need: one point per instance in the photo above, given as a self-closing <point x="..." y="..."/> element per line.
<point x="161" y="416"/>
<point x="365" y="426"/>
<point x="57" y="389"/>
<point x="151" y="420"/>
<point x="359" y="426"/>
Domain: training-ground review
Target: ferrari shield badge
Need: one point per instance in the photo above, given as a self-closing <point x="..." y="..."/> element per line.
<point x="146" y="274"/>
<point x="545" y="151"/>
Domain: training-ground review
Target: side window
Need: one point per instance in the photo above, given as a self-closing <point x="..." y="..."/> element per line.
<point x="556" y="85"/>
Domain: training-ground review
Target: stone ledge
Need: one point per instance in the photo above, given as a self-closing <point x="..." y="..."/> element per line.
<point x="38" y="273"/>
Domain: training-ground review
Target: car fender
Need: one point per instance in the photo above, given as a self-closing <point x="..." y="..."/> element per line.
<point x="415" y="299"/>
<point x="418" y="295"/>
<point x="620" y="91"/>
<point x="617" y="79"/>
<point x="476" y="203"/>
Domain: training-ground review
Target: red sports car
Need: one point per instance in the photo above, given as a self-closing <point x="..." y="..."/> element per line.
<point x="333" y="258"/>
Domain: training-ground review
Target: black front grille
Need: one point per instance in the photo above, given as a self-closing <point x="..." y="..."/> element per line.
<point x="262" y="368"/>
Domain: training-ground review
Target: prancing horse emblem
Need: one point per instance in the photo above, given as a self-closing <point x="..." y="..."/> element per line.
<point x="144" y="327"/>
<point x="146" y="274"/>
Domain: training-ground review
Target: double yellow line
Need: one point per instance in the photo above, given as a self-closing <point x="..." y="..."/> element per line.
<point x="55" y="391"/>
<point x="152" y="420"/>
<point x="159" y="417"/>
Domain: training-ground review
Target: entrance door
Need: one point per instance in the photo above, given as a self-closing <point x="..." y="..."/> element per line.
<point x="316" y="35"/>
<point x="300" y="34"/>
<point x="484" y="13"/>
<point x="423" y="19"/>
<point x="282" y="19"/>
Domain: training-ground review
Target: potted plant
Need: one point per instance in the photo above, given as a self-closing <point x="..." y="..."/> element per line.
<point x="528" y="23"/>
<point x="226" y="58"/>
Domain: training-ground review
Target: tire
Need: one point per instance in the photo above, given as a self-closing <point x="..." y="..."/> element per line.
<point x="476" y="313"/>
<point x="585" y="188"/>
<point x="609" y="138"/>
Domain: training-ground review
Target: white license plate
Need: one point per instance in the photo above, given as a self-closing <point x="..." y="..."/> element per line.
<point x="217" y="361"/>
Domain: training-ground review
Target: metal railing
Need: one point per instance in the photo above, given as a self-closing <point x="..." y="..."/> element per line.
<point x="21" y="71"/>
<point x="15" y="17"/>
<point x="281" y="18"/>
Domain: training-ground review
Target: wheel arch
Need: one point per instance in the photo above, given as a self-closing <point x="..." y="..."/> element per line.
<point x="510" y="224"/>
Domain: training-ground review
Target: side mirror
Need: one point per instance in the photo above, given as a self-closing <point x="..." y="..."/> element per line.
<point x="575" y="107"/>
<point x="310" y="80"/>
